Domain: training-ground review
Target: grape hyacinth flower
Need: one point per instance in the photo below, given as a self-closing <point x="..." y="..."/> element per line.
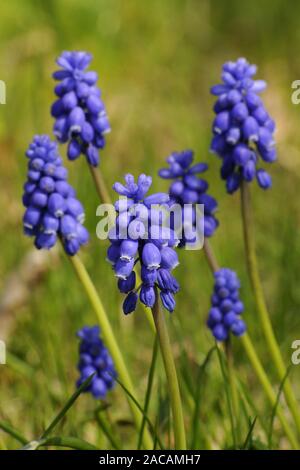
<point x="52" y="209"/>
<point x="224" y="316"/>
<point x="188" y="188"/>
<point x="79" y="112"/>
<point x="243" y="130"/>
<point x="94" y="358"/>
<point x="139" y="236"/>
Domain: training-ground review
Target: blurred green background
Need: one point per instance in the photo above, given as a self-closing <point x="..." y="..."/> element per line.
<point x="156" y="61"/>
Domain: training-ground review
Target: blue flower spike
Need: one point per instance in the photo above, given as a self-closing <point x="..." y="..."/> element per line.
<point x="140" y="237"/>
<point x="52" y="209"/>
<point x="79" y="112"/>
<point x="188" y="188"/>
<point x="225" y="314"/>
<point x="243" y="131"/>
<point x="94" y="358"/>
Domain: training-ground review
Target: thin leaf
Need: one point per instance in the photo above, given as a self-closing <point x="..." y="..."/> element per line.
<point x="200" y="375"/>
<point x="183" y="358"/>
<point x="274" y="409"/>
<point x="151" y="427"/>
<point x="162" y="412"/>
<point x="257" y="444"/>
<point x="187" y="368"/>
<point x="185" y="372"/>
<point x="227" y="393"/>
<point x="6" y="427"/>
<point x="105" y="428"/>
<point x="149" y="390"/>
<point x="67" y="406"/>
<point x="248" y="398"/>
<point x="188" y="396"/>
<point x="157" y="419"/>
<point x="244" y="409"/>
<point x="249" y="435"/>
<point x="156" y="433"/>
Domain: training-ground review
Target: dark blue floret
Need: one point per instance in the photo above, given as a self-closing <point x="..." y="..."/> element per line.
<point x="140" y="236"/>
<point x="79" y="112"/>
<point x="224" y="315"/>
<point x="243" y="130"/>
<point x="52" y="209"/>
<point x="188" y="188"/>
<point x="94" y="358"/>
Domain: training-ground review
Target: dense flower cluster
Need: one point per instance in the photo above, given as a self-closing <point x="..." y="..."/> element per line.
<point x="52" y="209"/>
<point x="190" y="189"/>
<point x="94" y="358"/>
<point x="224" y="316"/>
<point x="79" y="112"/>
<point x="139" y="235"/>
<point x="243" y="130"/>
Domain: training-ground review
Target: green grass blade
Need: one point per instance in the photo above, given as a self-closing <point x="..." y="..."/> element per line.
<point x="162" y="413"/>
<point x="183" y="358"/>
<point x="185" y="371"/>
<point x="249" y="435"/>
<point x="106" y="430"/>
<point x="148" y="391"/>
<point x="227" y="393"/>
<point x="197" y="396"/>
<point x="155" y="443"/>
<point x="151" y="427"/>
<point x="244" y="407"/>
<point x="67" y="406"/>
<point x="274" y="409"/>
<point x="247" y="397"/>
<point x="6" y="427"/>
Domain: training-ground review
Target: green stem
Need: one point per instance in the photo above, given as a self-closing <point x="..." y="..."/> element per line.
<point x="166" y="351"/>
<point x="110" y="341"/>
<point x="256" y="364"/>
<point x="100" y="185"/>
<point x="249" y="239"/>
<point x="227" y="395"/>
<point x="6" y="427"/>
<point x="210" y="256"/>
<point x="102" y="191"/>
<point x="233" y="385"/>
<point x="149" y="390"/>
<point x="105" y="425"/>
<point x="214" y="266"/>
